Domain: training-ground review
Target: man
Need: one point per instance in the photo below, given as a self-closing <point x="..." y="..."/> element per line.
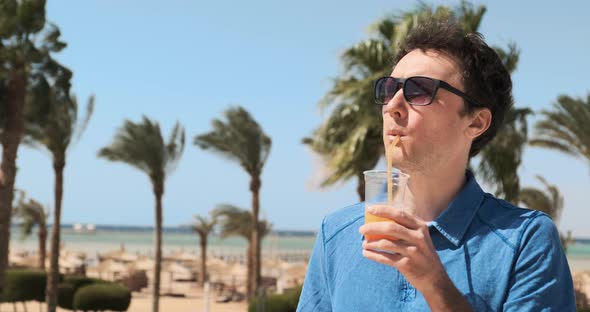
<point x="460" y="249"/>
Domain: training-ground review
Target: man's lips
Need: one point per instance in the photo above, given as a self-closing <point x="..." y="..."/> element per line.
<point x="395" y="133"/>
<point x="395" y="136"/>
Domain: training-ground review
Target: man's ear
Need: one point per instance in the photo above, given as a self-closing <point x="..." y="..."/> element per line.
<point x="480" y="121"/>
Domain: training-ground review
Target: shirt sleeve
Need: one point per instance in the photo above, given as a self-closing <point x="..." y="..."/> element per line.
<point x="541" y="279"/>
<point x="315" y="294"/>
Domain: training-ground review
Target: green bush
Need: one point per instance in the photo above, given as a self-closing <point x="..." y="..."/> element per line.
<point x="273" y="303"/>
<point x="67" y="289"/>
<point x="80" y="281"/>
<point x="24" y="285"/>
<point x="293" y="295"/>
<point x="286" y="302"/>
<point x="65" y="296"/>
<point x="102" y="296"/>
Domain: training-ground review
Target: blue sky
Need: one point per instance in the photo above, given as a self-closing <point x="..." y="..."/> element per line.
<point x="191" y="60"/>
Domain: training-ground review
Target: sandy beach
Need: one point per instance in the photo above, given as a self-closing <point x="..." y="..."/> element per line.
<point x="179" y="289"/>
<point x="285" y="267"/>
<point x="142" y="303"/>
<point x="193" y="295"/>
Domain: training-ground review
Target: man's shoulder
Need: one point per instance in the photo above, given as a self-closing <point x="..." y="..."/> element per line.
<point x="499" y="210"/>
<point x="343" y="219"/>
<point x="510" y="221"/>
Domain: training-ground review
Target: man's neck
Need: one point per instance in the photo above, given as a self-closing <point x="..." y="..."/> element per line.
<point x="429" y="194"/>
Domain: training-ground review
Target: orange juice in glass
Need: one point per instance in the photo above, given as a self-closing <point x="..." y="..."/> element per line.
<point x="383" y="192"/>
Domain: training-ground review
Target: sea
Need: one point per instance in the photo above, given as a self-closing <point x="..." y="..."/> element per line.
<point x="140" y="240"/>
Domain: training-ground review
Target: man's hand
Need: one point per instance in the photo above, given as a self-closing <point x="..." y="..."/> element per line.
<point x="410" y="251"/>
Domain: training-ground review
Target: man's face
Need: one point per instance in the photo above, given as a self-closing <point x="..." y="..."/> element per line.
<point x="432" y="136"/>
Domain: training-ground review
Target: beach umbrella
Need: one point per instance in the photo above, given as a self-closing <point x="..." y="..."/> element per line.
<point x="119" y="255"/>
<point x="15" y="259"/>
<point x="183" y="256"/>
<point x="238" y="269"/>
<point x="143" y="263"/>
<point x="217" y="268"/>
<point x="296" y="271"/>
<point x="69" y="265"/>
<point x="112" y="267"/>
<point x="272" y="267"/>
<point x="29" y="261"/>
<point x="176" y="270"/>
<point x="74" y="258"/>
<point x="582" y="284"/>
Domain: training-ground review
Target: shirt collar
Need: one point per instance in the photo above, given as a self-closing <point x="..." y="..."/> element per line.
<point x="454" y="221"/>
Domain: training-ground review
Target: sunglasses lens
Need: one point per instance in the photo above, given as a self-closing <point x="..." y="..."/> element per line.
<point x="385" y="89"/>
<point x="419" y="90"/>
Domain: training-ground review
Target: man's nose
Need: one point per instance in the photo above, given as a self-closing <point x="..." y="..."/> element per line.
<point x="397" y="106"/>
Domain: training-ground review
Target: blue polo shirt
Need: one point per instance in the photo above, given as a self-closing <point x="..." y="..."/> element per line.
<point x="500" y="257"/>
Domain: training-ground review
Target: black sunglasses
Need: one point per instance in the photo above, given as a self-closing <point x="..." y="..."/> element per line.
<point x="417" y="90"/>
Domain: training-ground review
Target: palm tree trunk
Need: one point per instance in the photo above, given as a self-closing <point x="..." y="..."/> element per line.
<point x="255" y="239"/>
<point x="10" y="140"/>
<point x="360" y="189"/>
<point x="158" y="192"/>
<point x="249" y="270"/>
<point x="203" y="274"/>
<point x="53" y="276"/>
<point x="511" y="186"/>
<point x="42" y="245"/>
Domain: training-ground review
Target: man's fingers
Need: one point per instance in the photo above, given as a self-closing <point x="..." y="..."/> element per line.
<point x="406" y="219"/>
<point x="387" y="245"/>
<point x="387" y="228"/>
<point x="383" y="257"/>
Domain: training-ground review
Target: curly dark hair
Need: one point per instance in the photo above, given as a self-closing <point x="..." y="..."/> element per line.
<point x="484" y="76"/>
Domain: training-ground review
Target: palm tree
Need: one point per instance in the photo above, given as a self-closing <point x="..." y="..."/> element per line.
<point x="203" y="228"/>
<point x="142" y="146"/>
<point x="500" y="159"/>
<point x="241" y="139"/>
<point x="32" y="213"/>
<point x="566" y="128"/>
<point x="55" y="129"/>
<point x="350" y="139"/>
<point x="235" y="221"/>
<point x="549" y="201"/>
<point x="26" y="44"/>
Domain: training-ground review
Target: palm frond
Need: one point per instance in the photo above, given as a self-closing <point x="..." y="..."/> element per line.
<point x="509" y="58"/>
<point x="469" y="16"/>
<point x="235" y="221"/>
<point x="203" y="226"/>
<point x="239" y="138"/>
<point x="175" y="147"/>
<point x="83" y="124"/>
<point x="52" y="113"/>
<point x="565" y="127"/>
<point x="501" y="158"/>
<point x="31" y="213"/>
<point x="549" y="200"/>
<point x="534" y="198"/>
<point x="142" y="146"/>
<point x="349" y="140"/>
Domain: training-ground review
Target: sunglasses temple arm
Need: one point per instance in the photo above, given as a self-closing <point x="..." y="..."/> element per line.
<point x="459" y="93"/>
